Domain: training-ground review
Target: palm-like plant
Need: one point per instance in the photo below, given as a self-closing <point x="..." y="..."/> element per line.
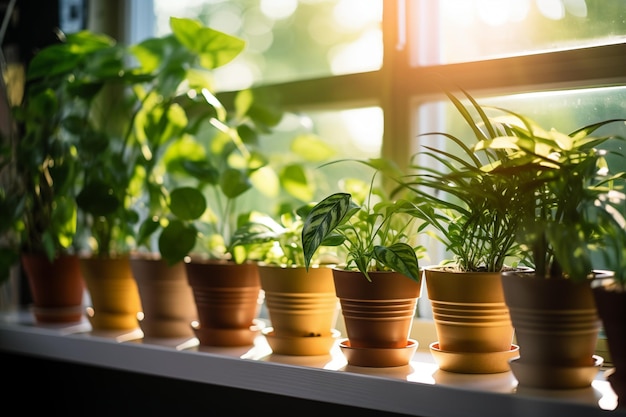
<point x="472" y="211"/>
<point x="567" y="176"/>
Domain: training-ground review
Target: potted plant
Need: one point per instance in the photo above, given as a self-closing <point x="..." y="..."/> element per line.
<point x="475" y="214"/>
<point x="552" y="307"/>
<point x="39" y="212"/>
<point x="379" y="280"/>
<point x="216" y="168"/>
<point x="118" y="103"/>
<point x="171" y="115"/>
<point x="301" y="302"/>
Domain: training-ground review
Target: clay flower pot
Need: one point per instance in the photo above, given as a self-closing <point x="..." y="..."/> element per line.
<point x="166" y="298"/>
<point x="378" y="316"/>
<point x="471" y="317"/>
<point x="556" y="325"/>
<point x="228" y="299"/>
<point x="57" y="288"/>
<point x="302" y="308"/>
<point x="115" y="301"/>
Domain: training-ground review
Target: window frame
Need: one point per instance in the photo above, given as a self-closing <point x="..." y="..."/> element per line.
<point x="398" y="87"/>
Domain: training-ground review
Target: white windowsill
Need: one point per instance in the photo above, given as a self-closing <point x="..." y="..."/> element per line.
<point x="416" y="389"/>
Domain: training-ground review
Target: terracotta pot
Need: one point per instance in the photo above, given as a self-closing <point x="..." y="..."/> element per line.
<point x="166" y="297"/>
<point x="378" y="315"/>
<point x="610" y="299"/>
<point x="57" y="288"/>
<point x="471" y="317"/>
<point x="228" y="298"/>
<point x="301" y="305"/>
<point x="556" y="325"/>
<point x="115" y="302"/>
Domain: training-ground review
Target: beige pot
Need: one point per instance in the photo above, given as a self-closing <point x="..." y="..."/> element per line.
<point x="470" y="317"/>
<point x="166" y="298"/>
<point x="228" y="299"/>
<point x="556" y="326"/>
<point x="378" y="316"/>
<point x="302" y="308"/>
<point x="115" y="301"/>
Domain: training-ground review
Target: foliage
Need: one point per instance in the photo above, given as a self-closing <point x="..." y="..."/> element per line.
<point x="472" y="211"/>
<point x="37" y="201"/>
<point x="374" y="230"/>
<point x="277" y="242"/>
<point x="170" y="81"/>
<point x="218" y="170"/>
<point x="567" y="176"/>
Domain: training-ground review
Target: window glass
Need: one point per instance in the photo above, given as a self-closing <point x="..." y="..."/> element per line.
<point x="287" y="40"/>
<point x="452" y="31"/>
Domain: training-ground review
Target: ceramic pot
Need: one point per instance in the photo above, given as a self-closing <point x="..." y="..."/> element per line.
<point x="301" y="305"/>
<point x="115" y="301"/>
<point x="57" y="288"/>
<point x="471" y="317"/>
<point x="378" y="316"/>
<point x="166" y="298"/>
<point x="610" y="299"/>
<point x="556" y="326"/>
<point x="228" y="299"/>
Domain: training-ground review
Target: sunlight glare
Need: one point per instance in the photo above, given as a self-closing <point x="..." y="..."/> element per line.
<point x="552" y="9"/>
<point x="494" y="12"/>
<point x="365" y="127"/>
<point x="364" y="53"/>
<point x="353" y="14"/>
<point x="278" y="9"/>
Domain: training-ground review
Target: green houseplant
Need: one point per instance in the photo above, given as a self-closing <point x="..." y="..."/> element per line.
<point x="39" y="212"/>
<point x="476" y="215"/>
<point x="565" y="175"/>
<point x="301" y="303"/>
<point x="378" y="280"/>
<point x="120" y="105"/>
<point x="203" y="217"/>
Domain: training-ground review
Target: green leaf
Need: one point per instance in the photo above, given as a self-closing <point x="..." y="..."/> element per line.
<point x="215" y="48"/>
<point x="323" y="218"/>
<point x="234" y="182"/>
<point x="294" y="181"/>
<point x="311" y="148"/>
<point x="399" y="257"/>
<point x="176" y="241"/>
<point x="147" y="228"/>
<point x="187" y="203"/>
<point x="98" y="199"/>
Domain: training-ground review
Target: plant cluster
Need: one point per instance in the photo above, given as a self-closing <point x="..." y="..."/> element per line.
<point x="472" y="211"/>
<point x="91" y="132"/>
<point x="375" y="231"/>
<point x="569" y="179"/>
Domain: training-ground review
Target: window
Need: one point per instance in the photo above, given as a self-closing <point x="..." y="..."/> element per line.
<point x="381" y="68"/>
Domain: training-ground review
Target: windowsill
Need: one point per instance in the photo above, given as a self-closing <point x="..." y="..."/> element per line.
<point x="416" y="389"/>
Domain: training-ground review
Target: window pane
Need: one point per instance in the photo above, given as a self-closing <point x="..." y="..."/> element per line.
<point x="287" y="40"/>
<point x="452" y="31"/>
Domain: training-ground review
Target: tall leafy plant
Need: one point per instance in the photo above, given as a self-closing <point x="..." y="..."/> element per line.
<point x="219" y="167"/>
<point x="128" y="104"/>
<point x="38" y="164"/>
